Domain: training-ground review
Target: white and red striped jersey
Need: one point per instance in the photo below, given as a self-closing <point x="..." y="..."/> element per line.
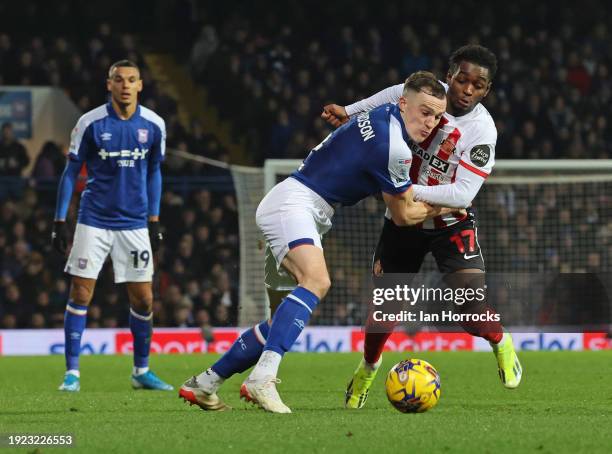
<point x="450" y="166"/>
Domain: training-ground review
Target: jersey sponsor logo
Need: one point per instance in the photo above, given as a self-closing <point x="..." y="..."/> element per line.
<point x="135" y="154"/>
<point x="420" y="152"/>
<point x="143" y="135"/>
<point x="434" y="161"/>
<point x="439" y="164"/>
<point x="439" y="177"/>
<point x="365" y="128"/>
<point x="106" y="136"/>
<point x="480" y="155"/>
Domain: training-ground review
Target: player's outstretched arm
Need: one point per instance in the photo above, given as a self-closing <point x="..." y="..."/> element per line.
<point x="405" y="211"/>
<point x="458" y="194"/>
<point x="337" y="115"/>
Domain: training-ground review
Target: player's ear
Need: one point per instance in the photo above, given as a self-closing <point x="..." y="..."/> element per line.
<point x="488" y="89"/>
<point x="402" y="103"/>
<point x="108" y="84"/>
<point x="139" y="85"/>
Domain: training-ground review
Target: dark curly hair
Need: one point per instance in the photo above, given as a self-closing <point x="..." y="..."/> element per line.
<point x="474" y="53"/>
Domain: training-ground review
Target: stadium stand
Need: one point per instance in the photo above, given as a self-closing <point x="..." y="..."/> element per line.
<point x="550" y="98"/>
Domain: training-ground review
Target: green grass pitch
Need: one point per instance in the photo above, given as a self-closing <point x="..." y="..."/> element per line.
<point x="563" y="405"/>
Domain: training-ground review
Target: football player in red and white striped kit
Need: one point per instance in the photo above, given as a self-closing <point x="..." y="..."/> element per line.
<point x="459" y="154"/>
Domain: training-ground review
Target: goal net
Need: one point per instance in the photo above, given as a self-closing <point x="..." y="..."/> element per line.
<point x="533" y="217"/>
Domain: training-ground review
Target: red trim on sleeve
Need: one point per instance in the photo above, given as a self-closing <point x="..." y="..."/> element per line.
<point x="474" y="169"/>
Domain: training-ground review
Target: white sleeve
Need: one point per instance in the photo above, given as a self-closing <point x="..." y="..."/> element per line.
<point x="458" y="194"/>
<point x="388" y="95"/>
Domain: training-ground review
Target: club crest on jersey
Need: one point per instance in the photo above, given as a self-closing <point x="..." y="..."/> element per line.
<point x="82" y="264"/>
<point x="143" y="135"/>
<point x="447" y="146"/>
<point x="480" y="155"/>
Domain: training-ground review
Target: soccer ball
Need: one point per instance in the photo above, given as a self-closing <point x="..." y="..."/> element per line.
<point x="413" y="386"/>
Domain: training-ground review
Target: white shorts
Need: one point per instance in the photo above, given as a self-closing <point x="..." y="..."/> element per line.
<point x="290" y="215"/>
<point x="130" y="251"/>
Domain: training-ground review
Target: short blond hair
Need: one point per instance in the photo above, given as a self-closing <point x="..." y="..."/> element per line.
<point x="426" y="82"/>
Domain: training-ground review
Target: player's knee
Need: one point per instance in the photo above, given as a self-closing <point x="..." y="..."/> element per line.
<point x="325" y="284"/>
<point x="81" y="293"/>
<point x="142" y="303"/>
<point x="318" y="283"/>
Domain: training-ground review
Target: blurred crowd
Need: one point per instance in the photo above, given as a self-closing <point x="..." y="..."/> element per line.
<point x="550" y="99"/>
<point x="550" y="228"/>
<point x="79" y="66"/>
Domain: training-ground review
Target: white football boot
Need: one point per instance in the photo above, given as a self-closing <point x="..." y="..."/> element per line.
<point x="263" y="393"/>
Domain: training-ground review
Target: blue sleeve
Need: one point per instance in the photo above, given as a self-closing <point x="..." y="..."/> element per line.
<point x="391" y="169"/>
<point x="154" y="187"/>
<point x="66" y="188"/>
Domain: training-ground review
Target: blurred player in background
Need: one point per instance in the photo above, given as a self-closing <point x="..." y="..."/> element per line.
<point x="367" y="156"/>
<point x="122" y="144"/>
<point x="458" y="155"/>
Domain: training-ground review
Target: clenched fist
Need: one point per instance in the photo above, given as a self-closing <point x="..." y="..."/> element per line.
<point x="335" y="115"/>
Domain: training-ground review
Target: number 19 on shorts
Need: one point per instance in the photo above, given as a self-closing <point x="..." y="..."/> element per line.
<point x="140" y="259"/>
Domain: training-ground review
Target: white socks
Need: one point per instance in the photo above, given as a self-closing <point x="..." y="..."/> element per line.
<point x="74" y="372"/>
<point x="210" y="380"/>
<point x="267" y="365"/>
<point x="139" y="370"/>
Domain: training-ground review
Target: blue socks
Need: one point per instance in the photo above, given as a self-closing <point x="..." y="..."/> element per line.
<point x="290" y="319"/>
<point x="74" y="324"/>
<point x="141" y="325"/>
<point x="244" y="352"/>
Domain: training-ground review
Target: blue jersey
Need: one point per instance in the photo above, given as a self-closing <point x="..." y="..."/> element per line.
<point x="117" y="154"/>
<point x="363" y="157"/>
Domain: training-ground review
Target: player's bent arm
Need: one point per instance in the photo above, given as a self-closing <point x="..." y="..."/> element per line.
<point x="66" y="187"/>
<point x="388" y="95"/>
<point x="154" y="187"/>
<point x="458" y="194"/>
<point x="404" y="210"/>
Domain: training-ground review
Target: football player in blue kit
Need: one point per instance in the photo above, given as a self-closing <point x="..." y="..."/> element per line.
<point x="368" y="155"/>
<point x="122" y="145"/>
